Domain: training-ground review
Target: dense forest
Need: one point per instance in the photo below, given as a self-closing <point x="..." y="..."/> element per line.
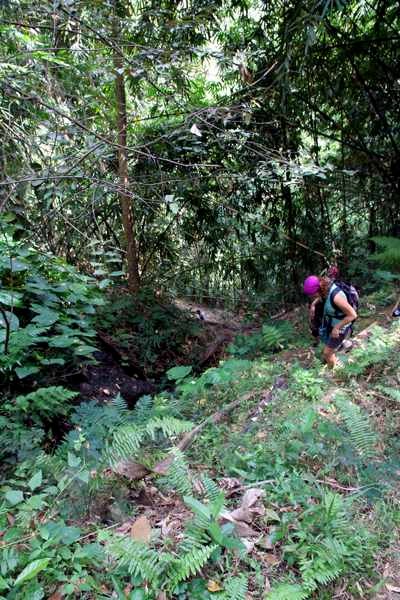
<point x="170" y="173"/>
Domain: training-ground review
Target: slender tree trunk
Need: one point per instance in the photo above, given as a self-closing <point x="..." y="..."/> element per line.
<point x="128" y="216"/>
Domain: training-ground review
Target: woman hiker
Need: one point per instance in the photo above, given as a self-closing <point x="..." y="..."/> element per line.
<point x="337" y="316"/>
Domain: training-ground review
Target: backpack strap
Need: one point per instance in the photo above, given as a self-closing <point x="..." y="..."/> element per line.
<point x="332" y="294"/>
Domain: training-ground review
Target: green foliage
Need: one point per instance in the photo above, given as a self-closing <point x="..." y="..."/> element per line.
<point x="225" y="374"/>
<point x="362" y="436"/>
<point x="44" y="403"/>
<point x="165" y="571"/>
<point x="178" y="475"/>
<point x="236" y="588"/>
<point x="324" y="543"/>
<point x="389" y="252"/>
<point x="149" y="327"/>
<point x="392" y="393"/>
<point x="127" y="439"/>
<point x="381" y="346"/>
<point x="276" y="337"/>
<point x="271" y="339"/>
<point x="308" y="382"/>
<point x="48" y="307"/>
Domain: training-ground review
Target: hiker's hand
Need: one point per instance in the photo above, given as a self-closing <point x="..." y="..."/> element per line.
<point x="335" y="332"/>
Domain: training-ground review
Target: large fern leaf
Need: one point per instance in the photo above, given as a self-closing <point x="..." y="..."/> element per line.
<point x="287" y="591"/>
<point x="235" y="588"/>
<point x="359" y="427"/>
<point x="188" y="564"/>
<point x="178" y="476"/>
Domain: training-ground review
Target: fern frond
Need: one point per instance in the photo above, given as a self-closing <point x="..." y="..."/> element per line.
<point x="235" y="588"/>
<point x="393" y="393"/>
<point x="46" y="402"/>
<point x="211" y="489"/>
<point x="288" y="591"/>
<point x="178" y="475"/>
<point x="125" y="443"/>
<point x="323" y="563"/>
<point x="168" y="426"/>
<point x="361" y="434"/>
<point x="121" y="407"/>
<point x="389" y="255"/>
<point x="188" y="564"/>
<point x="138" y="559"/>
<point x="143" y="410"/>
<point x="196" y="535"/>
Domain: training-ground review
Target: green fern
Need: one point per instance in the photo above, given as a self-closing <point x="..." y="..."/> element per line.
<point x="393" y="393"/>
<point x="139" y="560"/>
<point x="361" y="434"/>
<point x="211" y="489"/>
<point x="125" y="443"/>
<point x="169" y="426"/>
<point x="143" y="410"/>
<point x="235" y="588"/>
<point x="389" y="255"/>
<point x="288" y="591"/>
<point x="178" y="476"/>
<point x="127" y="439"/>
<point x="121" y="407"/>
<point x="188" y="564"/>
<point x="273" y="339"/>
<point x="45" y="402"/>
<point x="324" y="545"/>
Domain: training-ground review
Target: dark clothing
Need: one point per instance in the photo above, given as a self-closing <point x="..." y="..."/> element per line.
<point x="316" y="320"/>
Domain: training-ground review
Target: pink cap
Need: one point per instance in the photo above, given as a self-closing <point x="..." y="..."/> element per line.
<point x="311" y="285"/>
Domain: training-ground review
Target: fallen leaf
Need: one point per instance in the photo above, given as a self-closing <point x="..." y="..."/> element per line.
<point x="213" y="586"/>
<point x="271" y="559"/>
<point x="267" y="585"/>
<point x="141" y="529"/>
<point x="265" y="542"/>
<point x="10" y="519"/>
<point x="130" y="469"/>
<point x="392" y="588"/>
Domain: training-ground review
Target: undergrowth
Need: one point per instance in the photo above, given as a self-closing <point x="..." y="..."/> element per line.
<point x="321" y="447"/>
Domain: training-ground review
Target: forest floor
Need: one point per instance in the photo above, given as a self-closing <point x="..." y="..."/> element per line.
<point x="291" y="470"/>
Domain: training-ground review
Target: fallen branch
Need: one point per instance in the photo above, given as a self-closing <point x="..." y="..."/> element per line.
<point x="162" y="467"/>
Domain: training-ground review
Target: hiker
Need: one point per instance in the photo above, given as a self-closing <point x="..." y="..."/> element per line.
<point x="339" y="301"/>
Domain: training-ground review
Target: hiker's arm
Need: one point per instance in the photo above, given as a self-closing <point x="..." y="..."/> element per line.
<point x="349" y="312"/>
<point x="312" y="307"/>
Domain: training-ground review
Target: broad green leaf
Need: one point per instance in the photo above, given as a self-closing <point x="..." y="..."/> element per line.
<point x="85" y="350"/>
<point x="53" y="361"/>
<point x="10" y="298"/>
<point x="12" y="320"/>
<point x="197" y="507"/>
<point x="35" y="481"/>
<point x="14" y="497"/>
<point x="177" y="373"/>
<point x="46" y="317"/>
<point x="32" y="570"/>
<point x="73" y="460"/>
<point x="63" y="341"/>
<point x="3" y="584"/>
<point x="23" y="372"/>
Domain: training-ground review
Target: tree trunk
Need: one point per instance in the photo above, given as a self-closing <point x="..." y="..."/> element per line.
<point x="128" y="217"/>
